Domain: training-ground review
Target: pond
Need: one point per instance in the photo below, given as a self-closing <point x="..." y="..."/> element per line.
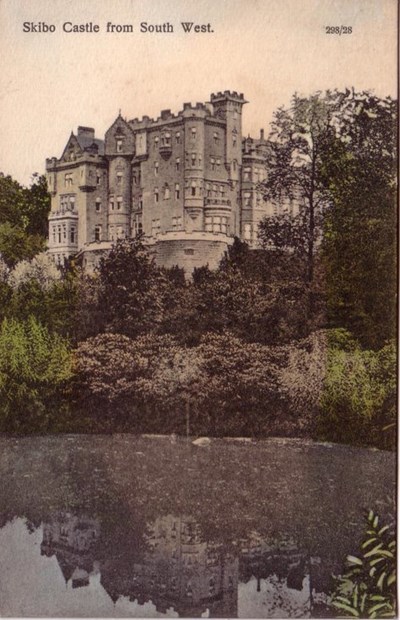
<point x="152" y="526"/>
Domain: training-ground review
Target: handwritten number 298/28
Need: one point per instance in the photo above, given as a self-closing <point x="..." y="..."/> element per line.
<point x="338" y="29"/>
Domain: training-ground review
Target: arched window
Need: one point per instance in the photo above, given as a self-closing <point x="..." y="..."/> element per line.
<point x="97" y="233"/>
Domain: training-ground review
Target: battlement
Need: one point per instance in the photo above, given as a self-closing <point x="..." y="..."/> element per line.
<point x="227" y="95"/>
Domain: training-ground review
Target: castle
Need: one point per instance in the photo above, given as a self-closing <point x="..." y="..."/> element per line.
<point x="188" y="182"/>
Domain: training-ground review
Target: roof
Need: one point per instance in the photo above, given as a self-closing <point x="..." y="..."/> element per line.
<point x="87" y="141"/>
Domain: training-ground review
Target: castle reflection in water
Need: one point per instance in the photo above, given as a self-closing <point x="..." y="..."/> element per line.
<point x="175" y="568"/>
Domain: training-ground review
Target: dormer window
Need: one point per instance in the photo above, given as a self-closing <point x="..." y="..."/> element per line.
<point x="119" y="145"/>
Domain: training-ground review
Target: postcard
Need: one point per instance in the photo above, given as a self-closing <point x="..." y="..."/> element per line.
<point x="198" y="308"/>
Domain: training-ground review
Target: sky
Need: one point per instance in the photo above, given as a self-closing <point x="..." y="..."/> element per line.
<point x="267" y="49"/>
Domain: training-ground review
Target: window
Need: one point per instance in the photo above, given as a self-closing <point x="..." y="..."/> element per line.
<point x="59" y="233"/>
<point x="68" y="181"/>
<point x="234" y="137"/>
<point x="234" y="165"/>
<point x="166" y="139"/>
<point x="216" y="224"/>
<point x="218" y="162"/>
<point x="193" y="133"/>
<point x="193" y="158"/>
<point x="98" y="205"/>
<point x="137" y="225"/>
<point x="188" y="251"/>
<point x="119" y="203"/>
<point x="177" y="191"/>
<point x="98" y="178"/>
<point x="112" y="233"/>
<point x="193" y="188"/>
<point x="216" y="137"/>
<point x="177" y="163"/>
<point x="247" y="173"/>
<point x="212" y="163"/>
<point x="156" y="141"/>
<point x="155" y="227"/>
<point x="119" y="178"/>
<point x="200" y="161"/>
<point x="97" y="233"/>
<point x="120" y="232"/>
<point x="111" y="205"/>
<point x="72" y="203"/>
<point x="215" y="190"/>
<point x="64" y="232"/>
<point x="156" y="195"/>
<point x="73" y="234"/>
<point x="177" y="223"/>
<point x="178" y="137"/>
<point x="156" y="168"/>
<point x="247" y="232"/>
<point x="247" y="199"/>
<point x="222" y="191"/>
<point x="167" y="192"/>
<point x="119" y="145"/>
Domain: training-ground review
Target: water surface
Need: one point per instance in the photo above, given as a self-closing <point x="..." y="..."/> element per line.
<point x="153" y="526"/>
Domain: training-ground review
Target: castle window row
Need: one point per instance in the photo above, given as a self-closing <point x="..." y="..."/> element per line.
<point x="167" y="192"/>
<point x="59" y="234"/>
<point x="116" y="232"/>
<point x="67" y="203"/>
<point x="215" y="163"/>
<point x="112" y="204"/>
<point x="216" y="224"/>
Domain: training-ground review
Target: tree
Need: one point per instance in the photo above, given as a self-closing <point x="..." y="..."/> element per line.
<point x="35" y="368"/>
<point x="23" y="218"/>
<point x="132" y="289"/>
<point x="360" y="241"/>
<point x="299" y="142"/>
